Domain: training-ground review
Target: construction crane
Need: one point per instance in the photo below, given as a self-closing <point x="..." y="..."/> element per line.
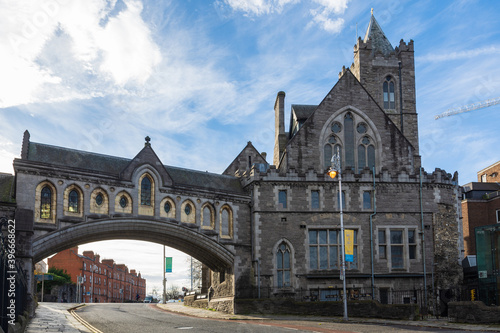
<point x="470" y="107"/>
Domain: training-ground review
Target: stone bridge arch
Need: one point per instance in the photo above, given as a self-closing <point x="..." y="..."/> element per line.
<point x="170" y="233"/>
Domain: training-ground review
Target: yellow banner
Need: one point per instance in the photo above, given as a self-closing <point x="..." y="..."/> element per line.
<point x="349" y="245"/>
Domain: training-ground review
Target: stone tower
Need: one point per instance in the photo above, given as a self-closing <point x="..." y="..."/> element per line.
<point x="389" y="76"/>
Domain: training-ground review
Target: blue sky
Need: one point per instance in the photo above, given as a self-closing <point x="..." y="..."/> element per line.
<point x="200" y="77"/>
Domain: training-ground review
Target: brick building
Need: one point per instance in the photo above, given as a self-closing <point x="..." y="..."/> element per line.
<point x="480" y="205"/>
<point x="107" y="283"/>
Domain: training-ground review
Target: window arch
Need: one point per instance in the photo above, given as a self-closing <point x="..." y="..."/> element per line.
<point x="388" y="89"/>
<point x="350" y="135"/>
<point x="73" y="206"/>
<point x="167" y="208"/>
<point x="73" y="201"/>
<point x="366" y="153"/>
<point x="99" y="202"/>
<point x="207" y="217"/>
<point x="188" y="212"/>
<point x="146" y="195"/>
<point x="123" y="203"/>
<point x="146" y="191"/>
<point x="226" y="222"/>
<point x="283" y="266"/>
<point x="45" y="202"/>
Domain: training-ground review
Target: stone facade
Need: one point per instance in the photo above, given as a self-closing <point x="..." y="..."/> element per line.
<point x="273" y="230"/>
<point x="405" y="220"/>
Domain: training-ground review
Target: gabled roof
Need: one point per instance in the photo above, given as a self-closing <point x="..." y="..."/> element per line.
<point x="302" y="112"/>
<point x="379" y="41"/>
<point x="114" y="166"/>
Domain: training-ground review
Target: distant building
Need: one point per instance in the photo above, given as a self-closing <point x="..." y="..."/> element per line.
<point x="107" y="283"/>
<point x="480" y="205"/>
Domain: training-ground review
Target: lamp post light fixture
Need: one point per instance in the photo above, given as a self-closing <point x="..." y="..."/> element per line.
<point x="334" y="171"/>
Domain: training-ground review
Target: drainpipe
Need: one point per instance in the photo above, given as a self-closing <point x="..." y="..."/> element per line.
<point x="371" y="233"/>
<point x="423" y="237"/>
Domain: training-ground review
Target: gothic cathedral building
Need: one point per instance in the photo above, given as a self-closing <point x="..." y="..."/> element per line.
<point x="405" y="221"/>
<point x="270" y="228"/>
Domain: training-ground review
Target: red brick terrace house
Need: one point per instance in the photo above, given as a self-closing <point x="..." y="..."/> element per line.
<point x="111" y="282"/>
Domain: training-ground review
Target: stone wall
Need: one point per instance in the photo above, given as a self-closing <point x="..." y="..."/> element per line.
<point x="365" y="309"/>
<point x="473" y="312"/>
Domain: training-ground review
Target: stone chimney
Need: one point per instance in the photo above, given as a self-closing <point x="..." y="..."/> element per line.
<point x="279" y="125"/>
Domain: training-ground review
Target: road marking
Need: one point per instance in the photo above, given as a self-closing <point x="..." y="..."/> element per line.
<point x="184" y="328"/>
<point x="83" y="322"/>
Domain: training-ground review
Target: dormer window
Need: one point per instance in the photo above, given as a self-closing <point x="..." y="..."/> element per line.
<point x="388" y="86"/>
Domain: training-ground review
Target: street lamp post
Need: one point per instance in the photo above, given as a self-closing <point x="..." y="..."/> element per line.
<point x="336" y="169"/>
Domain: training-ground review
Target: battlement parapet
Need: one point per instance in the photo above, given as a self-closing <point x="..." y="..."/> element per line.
<point x="404" y="47"/>
<point x="349" y="175"/>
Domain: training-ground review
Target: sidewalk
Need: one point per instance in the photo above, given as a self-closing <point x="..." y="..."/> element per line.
<point x="54" y="317"/>
<point x="431" y="323"/>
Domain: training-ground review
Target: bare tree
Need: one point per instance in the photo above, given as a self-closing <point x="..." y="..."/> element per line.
<point x="195" y="272"/>
<point x="154" y="291"/>
<point x="173" y="292"/>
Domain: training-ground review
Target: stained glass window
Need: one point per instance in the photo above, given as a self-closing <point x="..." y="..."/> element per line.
<point x="123" y="201"/>
<point x="73" y="201"/>
<point x="349" y="140"/>
<point x="46" y="203"/>
<point x="99" y="199"/>
<point x="146" y="191"/>
<point x="167" y="207"/>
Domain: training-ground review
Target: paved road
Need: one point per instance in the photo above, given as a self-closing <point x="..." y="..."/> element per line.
<point x="145" y="318"/>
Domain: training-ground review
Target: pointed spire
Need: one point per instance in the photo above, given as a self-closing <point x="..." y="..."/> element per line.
<point x="379" y="41"/>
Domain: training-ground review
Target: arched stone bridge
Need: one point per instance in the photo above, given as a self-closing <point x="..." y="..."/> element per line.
<point x="67" y="197"/>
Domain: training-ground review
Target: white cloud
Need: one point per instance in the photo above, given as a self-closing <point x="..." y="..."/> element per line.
<point x="433" y="57"/>
<point x="322" y="16"/>
<point x="259" y="7"/>
<point x="92" y="49"/>
<point x="333" y="6"/>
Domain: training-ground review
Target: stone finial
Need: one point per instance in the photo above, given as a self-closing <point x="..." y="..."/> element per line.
<point x="372" y="11"/>
<point x="147" y="144"/>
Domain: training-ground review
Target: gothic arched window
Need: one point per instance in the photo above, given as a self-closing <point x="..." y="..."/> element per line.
<point x="353" y="139"/>
<point x="146" y="191"/>
<point x="349" y="140"/>
<point x="73" y="202"/>
<point x="388" y="87"/>
<point x="366" y="154"/>
<point x="283" y="266"/>
<point x="226" y="222"/>
<point x="46" y="203"/>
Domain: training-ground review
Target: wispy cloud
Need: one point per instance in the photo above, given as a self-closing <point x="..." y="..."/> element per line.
<point x="468" y="54"/>
<point x="323" y="15"/>
<point x="45" y="44"/>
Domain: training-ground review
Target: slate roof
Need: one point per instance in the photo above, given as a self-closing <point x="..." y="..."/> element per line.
<point x="378" y="38"/>
<point x="302" y="112"/>
<point x="111" y="165"/>
<point x="6" y="188"/>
